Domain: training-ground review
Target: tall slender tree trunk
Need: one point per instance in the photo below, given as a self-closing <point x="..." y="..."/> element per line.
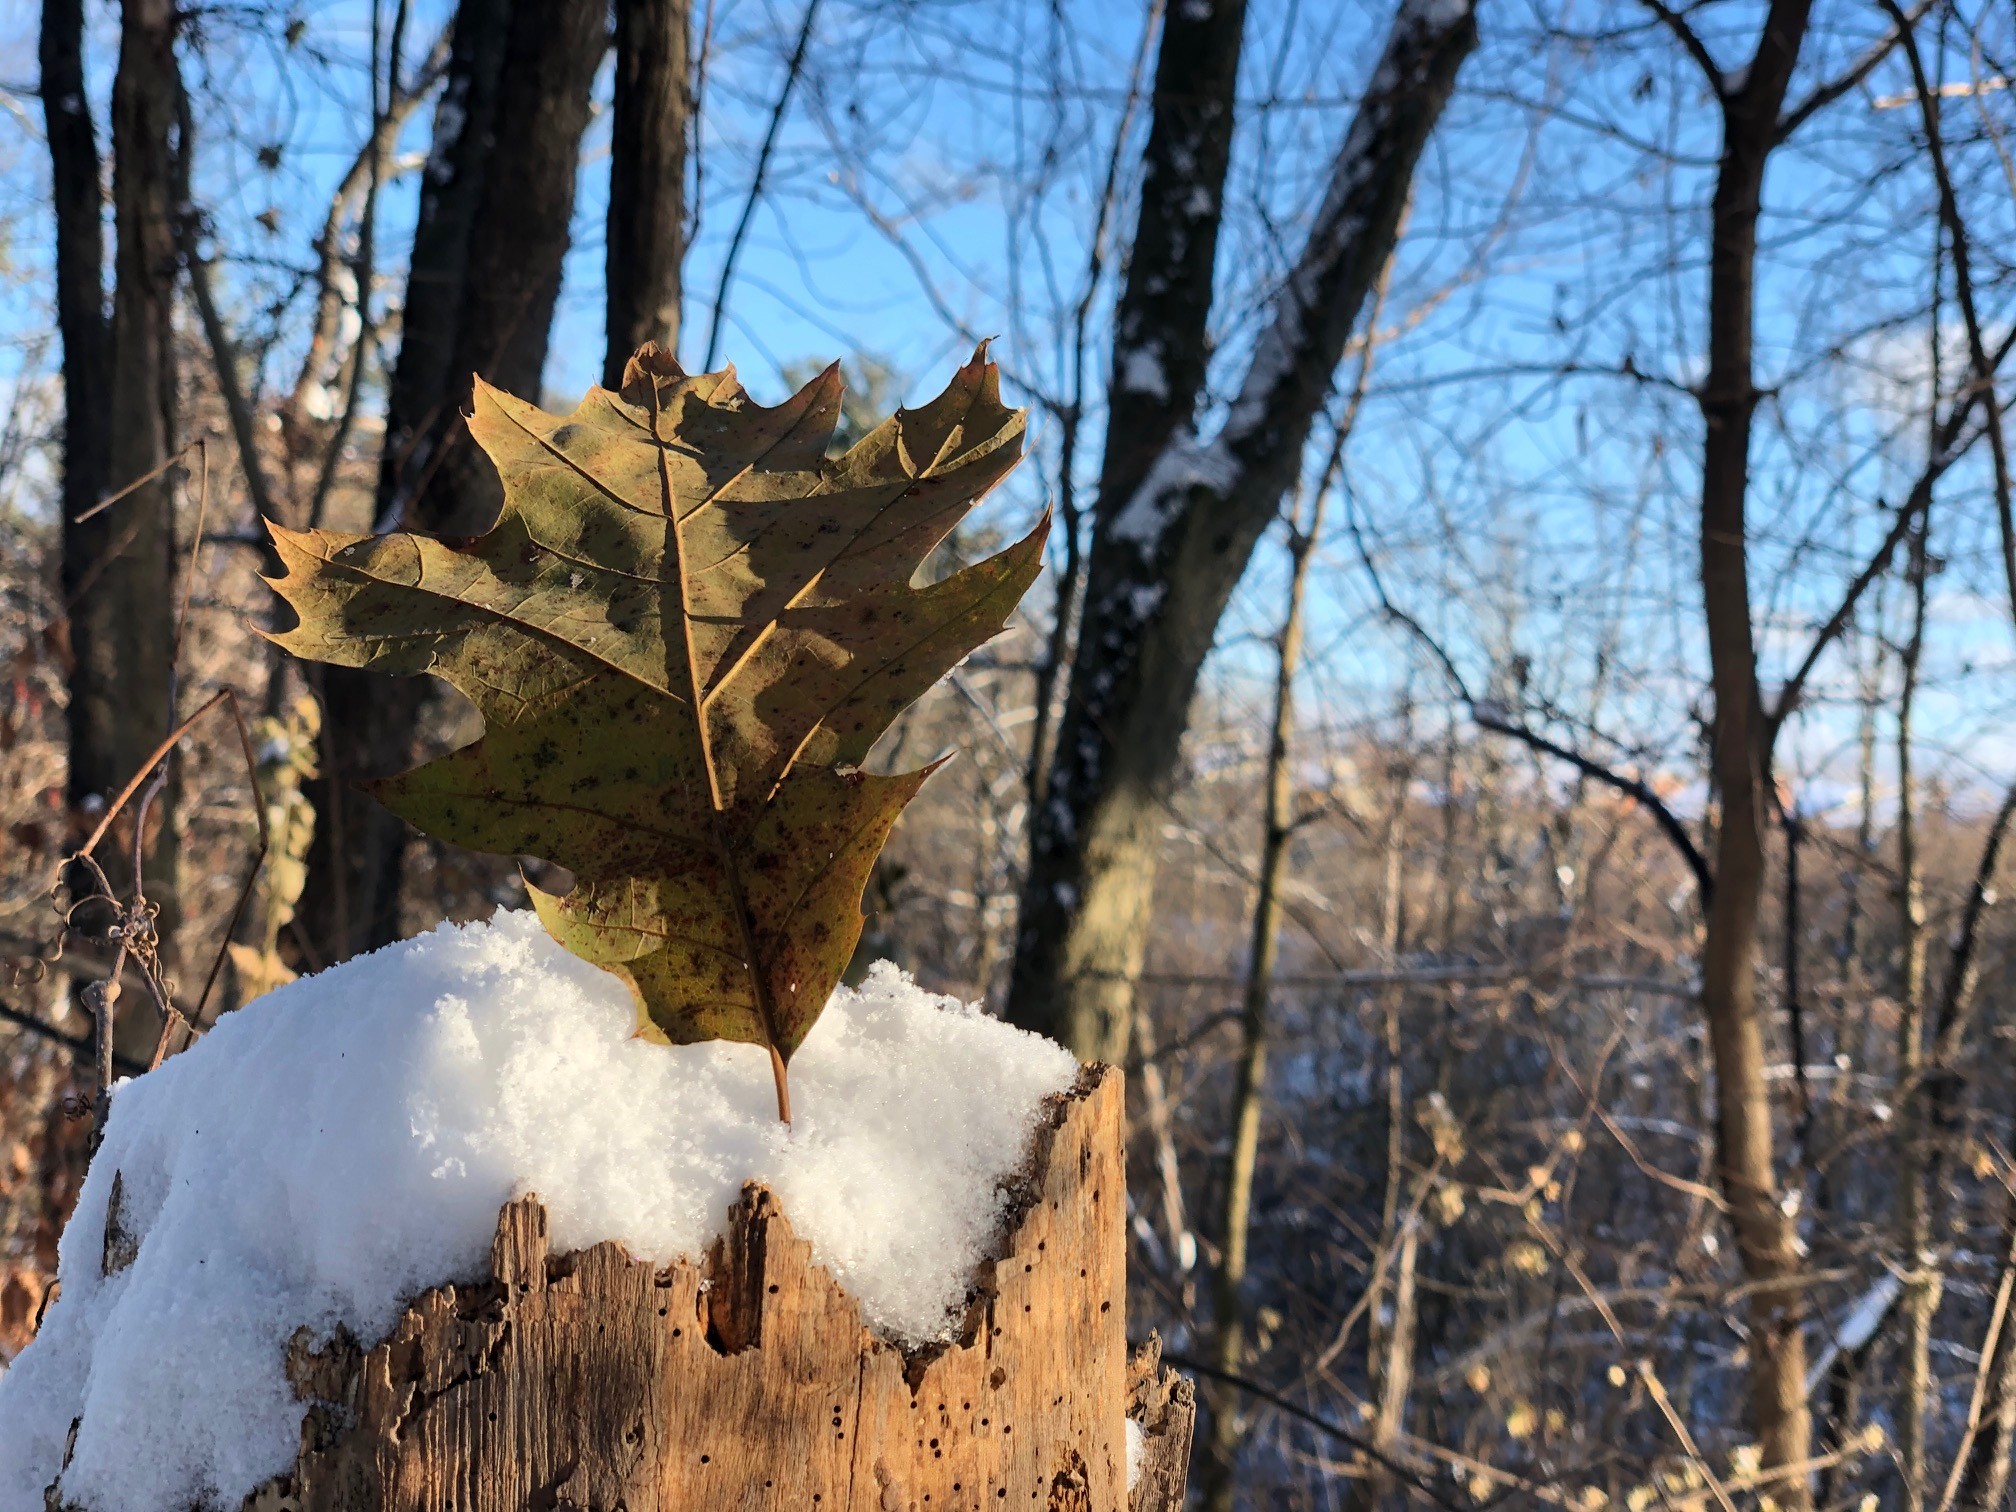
<point x="1161" y="340"/>
<point x="351" y="901"/>
<point x="1228" y="1347"/>
<point x="79" y="203"/>
<point x="1167" y="555"/>
<point x="1835" y="1191"/>
<point x="1160" y="349"/>
<point x="647" y="179"/>
<point x="1921" y="1289"/>
<point x="78" y="200"/>
<point x="123" y="575"/>
<point x="1393" y="1366"/>
<point x="496" y="208"/>
<point x="1741" y="739"/>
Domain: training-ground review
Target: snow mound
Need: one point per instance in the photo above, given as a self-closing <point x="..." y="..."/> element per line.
<point x="344" y="1143"/>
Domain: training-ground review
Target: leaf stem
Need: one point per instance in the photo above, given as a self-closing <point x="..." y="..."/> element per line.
<point x="783" y="1080"/>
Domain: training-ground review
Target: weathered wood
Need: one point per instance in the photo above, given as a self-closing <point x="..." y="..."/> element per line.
<point x="1165" y="1405"/>
<point x="749" y="1383"/>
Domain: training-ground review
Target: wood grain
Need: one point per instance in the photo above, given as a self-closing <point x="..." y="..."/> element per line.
<point x="1165" y="1405"/>
<point x="748" y="1383"/>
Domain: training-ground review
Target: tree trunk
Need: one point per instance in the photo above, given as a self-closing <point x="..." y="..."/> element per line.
<point x="79" y="204"/>
<point x="1161" y="322"/>
<point x="1914" y="1229"/>
<point x="421" y="388"/>
<point x="749" y="1383"/>
<point x="1741" y="741"/>
<point x="1394" y="1371"/>
<point x="516" y="246"/>
<point x="647" y="180"/>
<point x="1228" y="1346"/>
<point x="1166" y="559"/>
<point x="495" y="214"/>
<point x="351" y="901"/>
<point x="118" y="566"/>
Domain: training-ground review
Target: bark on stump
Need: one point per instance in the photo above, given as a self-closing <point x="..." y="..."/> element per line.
<point x="749" y="1383"/>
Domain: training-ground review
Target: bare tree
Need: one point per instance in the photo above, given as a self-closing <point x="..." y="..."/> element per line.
<point x="1756" y="121"/>
<point x="1228" y="1345"/>
<point x="1167" y="555"/>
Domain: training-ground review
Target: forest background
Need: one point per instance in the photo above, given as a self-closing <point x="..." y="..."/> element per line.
<point x="1513" y="751"/>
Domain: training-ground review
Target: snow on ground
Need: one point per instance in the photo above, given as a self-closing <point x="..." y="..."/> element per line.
<point x="329" y="1151"/>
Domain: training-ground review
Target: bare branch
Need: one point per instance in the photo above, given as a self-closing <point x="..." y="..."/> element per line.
<point x="331" y="295"/>
<point x="1826" y="94"/>
<point x="189" y="223"/>
<point x="1487" y="716"/>
<point x="1963" y="970"/>
<point x="1960" y="249"/>
<point x="1875" y="567"/>
<point x="1363" y="1445"/>
<point x="777" y="112"/>
<point x="1690" y="40"/>
<point x="77" y="1044"/>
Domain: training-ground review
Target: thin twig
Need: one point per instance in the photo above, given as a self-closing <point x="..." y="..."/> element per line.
<point x="76" y="1044"/>
<point x="140" y="482"/>
<point x="146" y="770"/>
<point x="791" y="73"/>
<point x="364" y="268"/>
<point x="1639" y="791"/>
<point x="1336" y="1430"/>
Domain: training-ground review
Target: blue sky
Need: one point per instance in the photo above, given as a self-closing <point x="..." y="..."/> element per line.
<point x="937" y="176"/>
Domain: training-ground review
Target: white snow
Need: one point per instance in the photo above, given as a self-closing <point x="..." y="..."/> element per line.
<point x="1137" y="1444"/>
<point x="1858" y="1328"/>
<point x="329" y="1151"/>
<point x="1184" y="464"/>
<point x="1141" y="372"/>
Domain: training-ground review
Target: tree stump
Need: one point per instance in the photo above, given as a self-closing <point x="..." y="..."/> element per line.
<point x="748" y="1383"/>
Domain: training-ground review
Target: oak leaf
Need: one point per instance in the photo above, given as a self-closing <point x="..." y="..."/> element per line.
<point x="684" y="632"/>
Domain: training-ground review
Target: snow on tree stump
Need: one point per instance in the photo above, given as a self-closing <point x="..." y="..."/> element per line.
<point x="749" y="1383"/>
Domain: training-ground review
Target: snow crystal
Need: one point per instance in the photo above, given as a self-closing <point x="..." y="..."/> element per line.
<point x="329" y="1151"/>
<point x="1137" y="1445"/>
